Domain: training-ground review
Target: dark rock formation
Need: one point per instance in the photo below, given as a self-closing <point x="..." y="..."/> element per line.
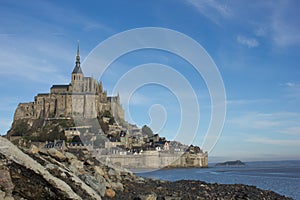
<point x="230" y="163"/>
<point x="190" y="190"/>
<point x="51" y="174"/>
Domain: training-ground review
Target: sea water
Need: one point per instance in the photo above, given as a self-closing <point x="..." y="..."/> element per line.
<point x="282" y="177"/>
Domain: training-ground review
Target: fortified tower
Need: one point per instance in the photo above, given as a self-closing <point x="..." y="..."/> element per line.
<point x="77" y="75"/>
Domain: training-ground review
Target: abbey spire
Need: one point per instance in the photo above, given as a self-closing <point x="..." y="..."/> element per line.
<point x="78" y="55"/>
<point x="77" y="68"/>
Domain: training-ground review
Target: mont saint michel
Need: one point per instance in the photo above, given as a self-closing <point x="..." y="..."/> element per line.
<point x="161" y="100"/>
<point x="80" y="115"/>
<point x="84" y="97"/>
<point x="74" y="142"/>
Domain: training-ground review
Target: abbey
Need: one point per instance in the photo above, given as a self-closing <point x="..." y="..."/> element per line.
<point x="84" y="97"/>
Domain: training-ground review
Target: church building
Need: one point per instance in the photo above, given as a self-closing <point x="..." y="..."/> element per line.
<point x="84" y="97"/>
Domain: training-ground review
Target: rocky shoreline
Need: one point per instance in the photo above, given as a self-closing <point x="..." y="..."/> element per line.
<point x="191" y="189"/>
<point x="33" y="173"/>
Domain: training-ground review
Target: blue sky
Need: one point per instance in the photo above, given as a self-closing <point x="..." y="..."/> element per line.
<point x="255" y="44"/>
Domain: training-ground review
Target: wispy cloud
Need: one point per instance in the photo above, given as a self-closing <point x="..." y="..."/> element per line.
<point x="282" y="26"/>
<point x="260" y="31"/>
<point x="212" y="9"/>
<point x="237" y="102"/>
<point x="265" y="140"/>
<point x="30" y="60"/>
<point x="290" y="84"/>
<point x="292" y="90"/>
<point x="285" y="25"/>
<point x="249" y="42"/>
<point x="294" y="130"/>
<point x="55" y="16"/>
<point x="275" y="122"/>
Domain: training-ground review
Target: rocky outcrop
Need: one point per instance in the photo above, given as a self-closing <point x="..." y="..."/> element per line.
<point x="231" y="163"/>
<point x="150" y="189"/>
<point x="51" y="174"/>
<point x="26" y="178"/>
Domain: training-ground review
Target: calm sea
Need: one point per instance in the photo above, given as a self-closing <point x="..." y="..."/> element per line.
<point x="282" y="177"/>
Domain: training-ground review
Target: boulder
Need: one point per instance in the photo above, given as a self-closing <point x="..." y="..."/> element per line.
<point x="117" y="186"/>
<point x="56" y="154"/>
<point x="99" y="170"/>
<point x="94" y="183"/>
<point x="4" y="196"/>
<point x="31" y="179"/>
<point x="151" y="196"/>
<point x="6" y="182"/>
<point x="110" y="193"/>
<point x="111" y="172"/>
<point x="76" y="166"/>
<point x="34" y="149"/>
<point x="70" y="156"/>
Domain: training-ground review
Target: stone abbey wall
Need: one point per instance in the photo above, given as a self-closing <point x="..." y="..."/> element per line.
<point x="84" y="105"/>
<point x="83" y="97"/>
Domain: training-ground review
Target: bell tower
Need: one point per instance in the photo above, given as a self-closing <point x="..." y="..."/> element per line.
<point x="77" y="75"/>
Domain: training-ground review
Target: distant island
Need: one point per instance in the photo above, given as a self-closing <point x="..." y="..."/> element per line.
<point x="231" y="163"/>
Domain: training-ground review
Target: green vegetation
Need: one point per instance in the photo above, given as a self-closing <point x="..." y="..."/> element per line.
<point x="107" y="114"/>
<point x="55" y="134"/>
<point x="41" y="130"/>
<point x="21" y="128"/>
<point x="147" y="131"/>
<point x="112" y="121"/>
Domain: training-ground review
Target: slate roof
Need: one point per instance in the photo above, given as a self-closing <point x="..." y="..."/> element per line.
<point x="60" y="86"/>
<point x="58" y="144"/>
<point x="77" y="70"/>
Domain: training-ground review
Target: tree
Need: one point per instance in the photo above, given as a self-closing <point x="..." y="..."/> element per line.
<point x="104" y="126"/>
<point x="107" y="114"/>
<point x="55" y="134"/>
<point x="21" y="128"/>
<point x="112" y="121"/>
<point x="147" y="131"/>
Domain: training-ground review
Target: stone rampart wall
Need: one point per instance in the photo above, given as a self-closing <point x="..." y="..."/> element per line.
<point x="157" y="160"/>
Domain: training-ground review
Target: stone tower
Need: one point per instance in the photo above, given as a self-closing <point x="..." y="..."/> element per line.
<point x="77" y="75"/>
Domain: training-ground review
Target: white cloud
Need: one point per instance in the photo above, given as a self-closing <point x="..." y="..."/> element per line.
<point x="260" y="31"/>
<point x="238" y="102"/>
<point x="212" y="9"/>
<point x="277" y="122"/>
<point x="285" y="25"/>
<point x="282" y="26"/>
<point x="289" y="84"/>
<point x="292" y="91"/>
<point x="58" y="15"/>
<point x="275" y="21"/>
<point x="294" y="130"/>
<point x="264" y="140"/>
<point x="249" y="42"/>
<point x="29" y="59"/>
